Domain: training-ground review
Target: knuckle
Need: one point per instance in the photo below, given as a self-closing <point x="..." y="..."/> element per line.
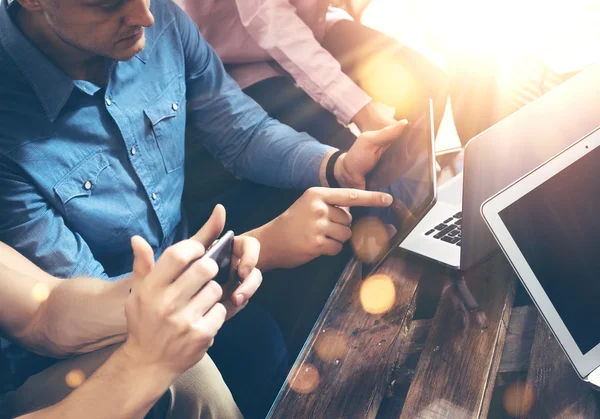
<point x="222" y="312"/>
<point x="320" y="241"/>
<point x="182" y="326"/>
<point x="347" y="233"/>
<point x="206" y="268"/>
<point x="166" y="309"/>
<point x="177" y="258"/>
<point x="321" y="226"/>
<point x="319" y="208"/>
<point x="201" y="331"/>
<point x="215" y="289"/>
<point x="348" y="216"/>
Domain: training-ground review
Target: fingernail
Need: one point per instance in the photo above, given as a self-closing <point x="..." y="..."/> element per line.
<point x="239" y="299"/>
<point x="404" y="122"/>
<point x="387" y="199"/>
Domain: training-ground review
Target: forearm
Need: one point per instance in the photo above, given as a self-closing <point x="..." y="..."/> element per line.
<point x="119" y="389"/>
<point x="269" y="255"/>
<point x="260" y="149"/>
<point x="80" y="315"/>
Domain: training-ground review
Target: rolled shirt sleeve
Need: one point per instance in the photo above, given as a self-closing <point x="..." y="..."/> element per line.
<point x="275" y="26"/>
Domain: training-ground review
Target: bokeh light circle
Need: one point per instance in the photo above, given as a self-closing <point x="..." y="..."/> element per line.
<point x="306" y="379"/>
<point x="377" y="294"/>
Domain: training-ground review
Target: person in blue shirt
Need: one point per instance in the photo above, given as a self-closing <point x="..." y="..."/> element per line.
<point x="97" y="98"/>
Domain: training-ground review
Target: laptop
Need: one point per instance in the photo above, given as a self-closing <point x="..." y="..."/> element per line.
<point x="547" y="225"/>
<point x="453" y="233"/>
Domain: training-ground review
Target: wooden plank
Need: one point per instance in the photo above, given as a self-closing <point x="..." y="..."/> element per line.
<point x="457" y="369"/>
<point x="558" y="392"/>
<point x="519" y="339"/>
<point x="344" y="368"/>
<point x="403" y="371"/>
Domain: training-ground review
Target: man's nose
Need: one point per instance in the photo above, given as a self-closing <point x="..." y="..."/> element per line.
<point x="139" y="14"/>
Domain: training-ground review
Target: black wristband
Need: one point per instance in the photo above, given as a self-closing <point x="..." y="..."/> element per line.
<point x="329" y="175"/>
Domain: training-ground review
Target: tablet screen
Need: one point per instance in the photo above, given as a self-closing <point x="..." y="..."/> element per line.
<point x="406" y="171"/>
<point x="557" y="229"/>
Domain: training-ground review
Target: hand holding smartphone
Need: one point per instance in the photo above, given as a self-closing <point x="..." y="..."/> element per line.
<point x="221" y="252"/>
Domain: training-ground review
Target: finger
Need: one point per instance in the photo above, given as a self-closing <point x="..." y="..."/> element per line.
<point x="388" y="134"/>
<point x="340" y="215"/>
<point x="196" y="276"/>
<point x="174" y="261"/>
<point x="331" y="247"/>
<point x="247" y="249"/>
<point x="232" y="310"/>
<point x="212" y="321"/>
<point x="202" y="302"/>
<point x="338" y="232"/>
<point x="247" y="288"/>
<point x="212" y="229"/>
<point x="356" y="198"/>
<point x="143" y="257"/>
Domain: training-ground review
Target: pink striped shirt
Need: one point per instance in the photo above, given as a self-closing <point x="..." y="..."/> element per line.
<point x="258" y="39"/>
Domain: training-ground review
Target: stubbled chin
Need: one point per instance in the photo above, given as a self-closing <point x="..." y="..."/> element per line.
<point x="132" y="51"/>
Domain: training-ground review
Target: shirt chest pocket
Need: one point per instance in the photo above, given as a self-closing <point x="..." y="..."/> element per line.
<point x="166" y="114"/>
<point x="94" y="203"/>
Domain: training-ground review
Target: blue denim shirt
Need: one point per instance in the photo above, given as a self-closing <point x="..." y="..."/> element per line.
<point x="83" y="167"/>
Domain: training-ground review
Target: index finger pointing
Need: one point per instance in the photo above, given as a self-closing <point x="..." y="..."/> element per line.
<point x="356" y="198"/>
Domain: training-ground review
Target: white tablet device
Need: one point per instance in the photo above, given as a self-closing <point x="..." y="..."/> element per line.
<point x="548" y="225"/>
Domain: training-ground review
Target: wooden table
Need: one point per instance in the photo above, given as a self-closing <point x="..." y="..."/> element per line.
<point x="436" y="353"/>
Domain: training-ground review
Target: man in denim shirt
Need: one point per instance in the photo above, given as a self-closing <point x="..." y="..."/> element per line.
<point x="96" y="100"/>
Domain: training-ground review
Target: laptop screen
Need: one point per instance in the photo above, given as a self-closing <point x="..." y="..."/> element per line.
<point x="557" y="229"/>
<point x="406" y="171"/>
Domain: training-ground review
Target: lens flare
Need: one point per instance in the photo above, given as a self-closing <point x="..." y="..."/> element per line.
<point x="41" y="292"/>
<point x="387" y="80"/>
<point x="331" y="345"/>
<point x="519" y="398"/>
<point x="306" y="379"/>
<point x="370" y="240"/>
<point x="377" y="294"/>
<point x="75" y="378"/>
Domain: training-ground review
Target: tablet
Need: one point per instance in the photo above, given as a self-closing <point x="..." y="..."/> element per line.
<point x="407" y="171"/>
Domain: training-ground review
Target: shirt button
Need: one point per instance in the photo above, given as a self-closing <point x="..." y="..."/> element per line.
<point x="108" y="102"/>
<point x="87" y="185"/>
<point x="133" y="151"/>
<point x="175" y="106"/>
<point x="153" y="196"/>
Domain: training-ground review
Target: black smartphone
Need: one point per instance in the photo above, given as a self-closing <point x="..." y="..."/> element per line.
<point x="221" y="252"/>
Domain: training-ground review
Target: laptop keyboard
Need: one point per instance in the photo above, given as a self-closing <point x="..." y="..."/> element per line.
<point x="449" y="231"/>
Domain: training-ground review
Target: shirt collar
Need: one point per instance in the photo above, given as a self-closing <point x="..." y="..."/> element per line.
<point x="51" y="85"/>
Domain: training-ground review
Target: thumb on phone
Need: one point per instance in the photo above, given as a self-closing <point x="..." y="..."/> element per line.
<point x="213" y="228"/>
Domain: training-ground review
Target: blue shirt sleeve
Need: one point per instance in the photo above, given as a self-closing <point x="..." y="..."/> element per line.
<point x="39" y="232"/>
<point x="235" y="129"/>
